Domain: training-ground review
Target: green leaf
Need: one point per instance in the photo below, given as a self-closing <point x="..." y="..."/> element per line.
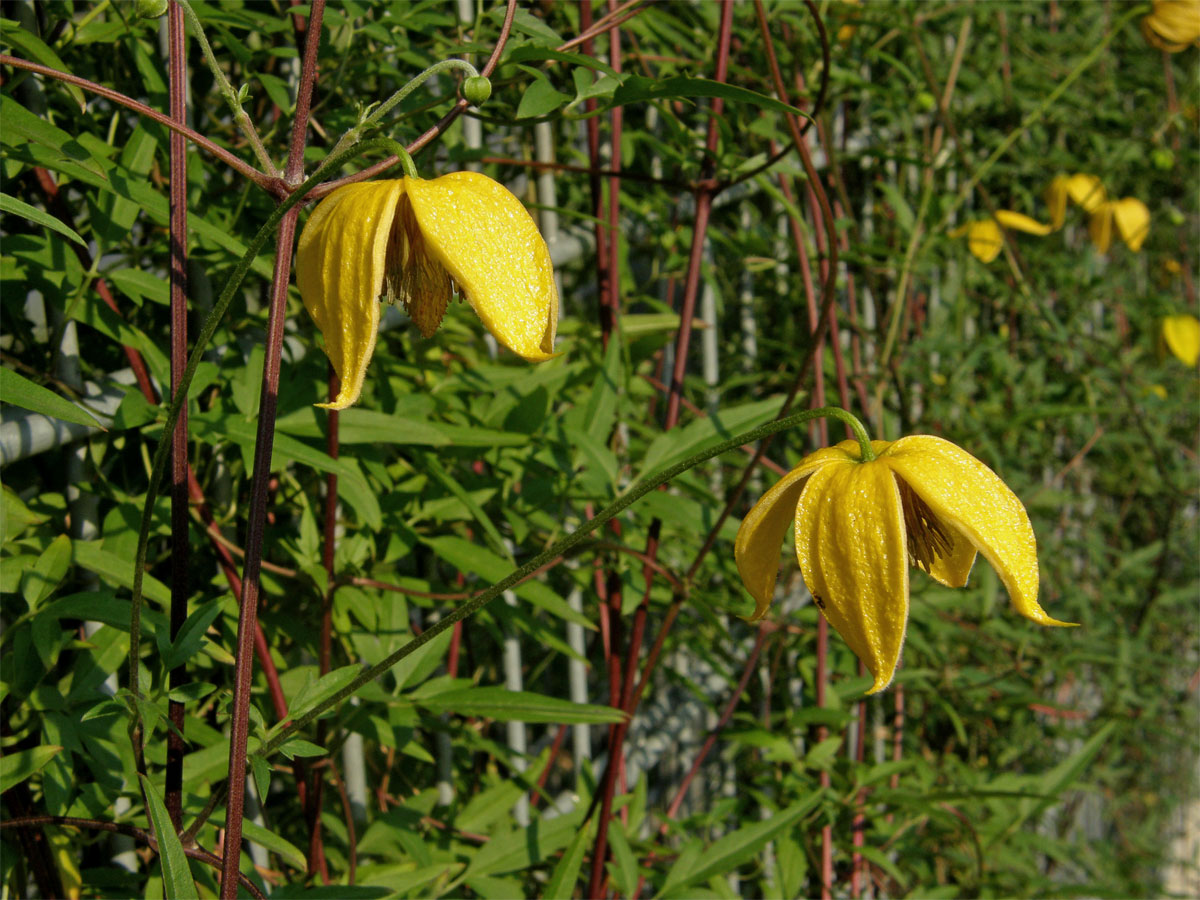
<point x="48" y="572"/>
<point x="637" y="89"/>
<point x="434" y="468"/>
<point x="20" y="391"/>
<point x="524" y="21"/>
<point x="22" y="127"/>
<point x="524" y="847"/>
<point x="469" y="557"/>
<point x="177" y="876"/>
<point x="34" y="48"/>
<point x="33" y="214"/>
<point x="116" y="568"/>
<point x="261" y="769"/>
<point x="18" y="766"/>
<point x="365" y="426"/>
<point x="215" y="427"/>
<point x="601" y="409"/>
<point x="561" y="885"/>
<point x="298" y="747"/>
<point x="315" y="692"/>
<point x="1056" y="781"/>
<point x="624" y="866"/>
<point x="678" y="444"/>
<point x="540" y="99"/>
<point x="734" y="849"/>
<point x="285" y="850"/>
<point x="504" y="705"/>
<point x="191" y="635"/>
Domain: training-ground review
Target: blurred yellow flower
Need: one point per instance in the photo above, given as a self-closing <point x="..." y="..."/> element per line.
<point x="1084" y="190"/>
<point x="846" y="31"/>
<point x="416" y="242"/>
<point x="1182" y="336"/>
<point x="1132" y="220"/>
<point x="985" y="239"/>
<point x="922" y="501"/>
<point x="1173" y="25"/>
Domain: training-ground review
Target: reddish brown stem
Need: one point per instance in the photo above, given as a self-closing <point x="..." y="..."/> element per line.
<point x="264" y="442"/>
<point x="180" y="545"/>
<point x="265" y="182"/>
<point x="704" y="195"/>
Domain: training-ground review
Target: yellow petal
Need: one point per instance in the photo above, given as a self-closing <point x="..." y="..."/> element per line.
<point x="756" y="549"/>
<point x="1173" y="25"/>
<point x="1182" y="334"/>
<point x="969" y="498"/>
<point x="339" y="269"/>
<point x="1086" y="190"/>
<point x="492" y="249"/>
<point x="1056" y="199"/>
<point x="984" y="240"/>
<point x="1019" y="222"/>
<point x="1133" y="221"/>
<point x="851" y="547"/>
<point x="1100" y="227"/>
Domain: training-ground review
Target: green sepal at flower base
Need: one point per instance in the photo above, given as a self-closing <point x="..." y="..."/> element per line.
<point x="922" y="501"/>
<point x="985" y="238"/>
<point x="1181" y="334"/>
<point x="417" y="242"/>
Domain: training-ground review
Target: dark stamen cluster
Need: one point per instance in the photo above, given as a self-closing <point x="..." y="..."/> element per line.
<point x="412" y="276"/>
<point x="927" y="538"/>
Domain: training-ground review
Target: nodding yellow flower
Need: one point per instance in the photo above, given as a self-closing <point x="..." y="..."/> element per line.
<point x="922" y="501"/>
<point x="416" y="242"/>
<point x="985" y="239"/>
<point x="1173" y="25"/>
<point x="1131" y="218"/>
<point x="1182" y="336"/>
<point x="1084" y="190"/>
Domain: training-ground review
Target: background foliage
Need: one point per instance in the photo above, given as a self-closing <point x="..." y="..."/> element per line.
<point x="1008" y="760"/>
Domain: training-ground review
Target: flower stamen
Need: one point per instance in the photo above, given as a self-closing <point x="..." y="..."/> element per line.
<point x="412" y="276"/>
<point x="927" y="537"/>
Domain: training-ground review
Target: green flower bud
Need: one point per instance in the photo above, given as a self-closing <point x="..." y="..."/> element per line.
<point x="1163" y="159"/>
<point x="476" y="90"/>
<point x="149" y="9"/>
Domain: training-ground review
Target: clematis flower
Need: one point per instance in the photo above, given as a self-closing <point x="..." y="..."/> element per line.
<point x="1132" y="220"/>
<point x="1084" y="190"/>
<point x="1182" y="337"/>
<point x="1173" y="25"/>
<point x="985" y="239"/>
<point x="922" y="501"/>
<point x="416" y="242"/>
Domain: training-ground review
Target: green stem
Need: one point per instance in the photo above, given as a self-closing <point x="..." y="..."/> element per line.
<point x="231" y="98"/>
<point x="635" y="493"/>
<point x="162" y="451"/>
<point x="390" y="103"/>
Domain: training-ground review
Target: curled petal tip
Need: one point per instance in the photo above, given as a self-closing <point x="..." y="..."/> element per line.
<point x="881" y="682"/>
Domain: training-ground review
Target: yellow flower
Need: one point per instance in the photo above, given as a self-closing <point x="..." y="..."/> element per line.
<point x="859" y="525"/>
<point x="1173" y="25"/>
<point x="984" y="238"/>
<point x="1182" y="336"/>
<point x="416" y="242"/>
<point x="1131" y="217"/>
<point x="1085" y="190"/>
